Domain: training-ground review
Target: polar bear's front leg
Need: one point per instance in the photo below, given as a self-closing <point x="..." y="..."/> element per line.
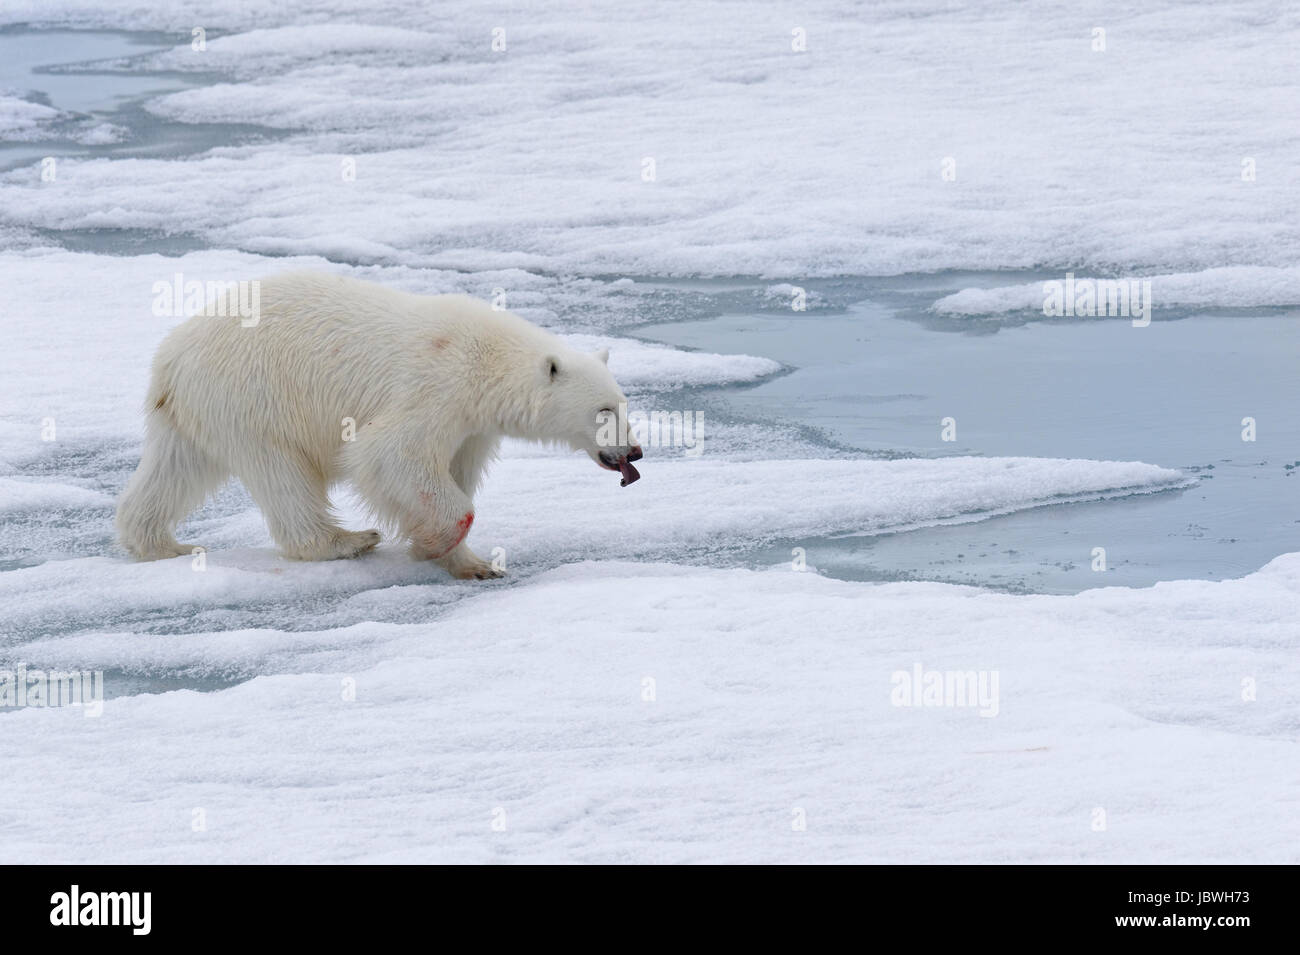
<point x="467" y="471"/>
<point x="404" y="479"/>
<point x="435" y="536"/>
<point x="439" y="521"/>
<point x="425" y="503"/>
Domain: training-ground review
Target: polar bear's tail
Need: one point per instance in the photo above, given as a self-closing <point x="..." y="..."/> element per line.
<point x="173" y="478"/>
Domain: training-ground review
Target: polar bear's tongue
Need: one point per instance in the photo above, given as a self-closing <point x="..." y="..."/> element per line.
<point x="629" y="473"/>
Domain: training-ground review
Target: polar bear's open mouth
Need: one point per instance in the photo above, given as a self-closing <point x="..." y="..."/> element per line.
<point x="623" y="465"/>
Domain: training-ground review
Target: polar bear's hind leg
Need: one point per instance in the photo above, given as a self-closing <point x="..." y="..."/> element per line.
<point x="174" y="478"/>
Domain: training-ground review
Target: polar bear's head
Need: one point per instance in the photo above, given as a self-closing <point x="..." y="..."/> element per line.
<point x="581" y="405"/>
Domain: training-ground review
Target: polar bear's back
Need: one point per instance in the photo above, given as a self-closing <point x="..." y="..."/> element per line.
<point x="324" y="348"/>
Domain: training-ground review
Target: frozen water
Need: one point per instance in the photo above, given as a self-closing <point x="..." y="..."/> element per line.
<point x="1175" y="392"/>
<point x="768" y="161"/>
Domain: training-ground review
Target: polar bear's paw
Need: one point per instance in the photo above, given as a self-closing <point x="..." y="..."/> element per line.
<point x="354" y="543"/>
<point x="478" y="569"/>
<point x="165" y="551"/>
<point x="463" y="564"/>
<point x="340" y="545"/>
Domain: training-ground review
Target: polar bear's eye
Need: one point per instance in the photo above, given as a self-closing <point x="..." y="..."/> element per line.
<point x="555" y="369"/>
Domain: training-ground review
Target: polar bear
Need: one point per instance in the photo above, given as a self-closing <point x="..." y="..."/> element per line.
<point x="405" y="396"/>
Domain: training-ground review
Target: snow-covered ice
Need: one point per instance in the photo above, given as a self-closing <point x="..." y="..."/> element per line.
<point x="542" y="512"/>
<point x="20" y="119"/>
<point x="621" y="712"/>
<point x="1239" y="286"/>
<point x="768" y="161"/>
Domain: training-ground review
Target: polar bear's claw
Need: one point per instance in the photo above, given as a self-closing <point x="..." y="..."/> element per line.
<point x="485" y="572"/>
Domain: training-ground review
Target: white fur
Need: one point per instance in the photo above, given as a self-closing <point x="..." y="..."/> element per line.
<point x="432" y="382"/>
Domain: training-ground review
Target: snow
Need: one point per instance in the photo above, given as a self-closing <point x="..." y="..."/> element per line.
<point x="640" y="364"/>
<point x="25" y="121"/>
<point x="29" y="495"/>
<point x="20" y="119"/>
<point x="768" y="161"/>
<point x="771" y="694"/>
<point x="259" y="52"/>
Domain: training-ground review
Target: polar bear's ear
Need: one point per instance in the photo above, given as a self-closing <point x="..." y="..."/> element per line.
<point x="603" y="355"/>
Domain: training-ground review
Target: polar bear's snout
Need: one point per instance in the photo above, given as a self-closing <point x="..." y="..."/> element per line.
<point x="623" y="464"/>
